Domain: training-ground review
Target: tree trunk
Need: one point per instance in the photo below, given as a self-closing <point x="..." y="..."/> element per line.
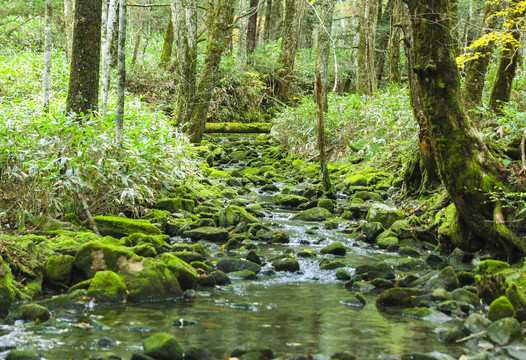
<point x="219" y="19"/>
<point x="477" y="68"/>
<point x="47" y="56"/>
<point x="383" y="38"/>
<point x="114" y="44"/>
<point x="69" y="21"/>
<point x="167" y="45"/>
<point x="83" y="92"/>
<point x="395" y="76"/>
<point x="366" y="81"/>
<point x="276" y="21"/>
<point x="325" y="180"/>
<point x="184" y="14"/>
<point x="324" y="47"/>
<point x="465" y="167"/>
<point x="138" y="37"/>
<point x="242" y="35"/>
<point x="454" y="26"/>
<point x="289" y="45"/>
<point x="119" y="114"/>
<point x="509" y="59"/>
<point x="307" y="29"/>
<point x="252" y="27"/>
<point x="104" y="94"/>
<point x="266" y="29"/>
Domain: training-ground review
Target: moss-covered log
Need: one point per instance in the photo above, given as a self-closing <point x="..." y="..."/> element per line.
<point x="465" y="165"/>
<point x="238" y="128"/>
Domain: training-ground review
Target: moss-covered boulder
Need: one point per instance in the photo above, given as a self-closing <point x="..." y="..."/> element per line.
<point x="161" y="243"/>
<point x="219" y="235"/>
<point x="120" y="227"/>
<point x="97" y="256"/>
<point x="326" y="204"/>
<point x="331" y="265"/>
<point x="445" y="278"/>
<point x="174" y="205"/>
<point x="107" y="286"/>
<point x="163" y="346"/>
<point x="386" y="242"/>
<point x="373" y="271"/>
<point x="7" y="289"/>
<point x="286" y="264"/>
<point x="151" y="280"/>
<point x="288" y="200"/>
<point x="384" y="214"/>
<point x="185" y="273"/>
<point x="490" y="267"/>
<point x="59" y="267"/>
<point x="46" y="223"/>
<point x="336" y="248"/>
<point x="453" y="229"/>
<point x="233" y="215"/>
<point x="313" y="214"/>
<point x="500" y="308"/>
<point x="229" y="265"/>
<point x="356" y="180"/>
<point x="35" y="312"/>
<point x="23" y="355"/>
<point x="398" y="296"/>
<point x="505" y="331"/>
<point x="367" y="195"/>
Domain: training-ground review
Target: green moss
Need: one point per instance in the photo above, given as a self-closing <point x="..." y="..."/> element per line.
<point x="489" y="267"/>
<point x="107" y="286"/>
<point x="59" y="267"/>
<point x="120" y="227"/>
<point x="175" y="205"/>
<point x="163" y="346"/>
<point x="7" y="289"/>
<point x="96" y="256"/>
<point x="185" y="273"/>
<point x="500" y="308"/>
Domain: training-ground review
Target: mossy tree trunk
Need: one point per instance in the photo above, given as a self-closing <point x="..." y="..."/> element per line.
<point x="266" y="30"/>
<point x="219" y="20"/>
<point x="252" y="26"/>
<point x="276" y="20"/>
<point x="324" y="47"/>
<point x="167" y="44"/>
<point x="366" y="75"/>
<point x="83" y="92"/>
<point x="384" y="20"/>
<point x="509" y="59"/>
<point x="464" y="163"/>
<point x="289" y="46"/>
<point x="184" y="17"/>
<point x="242" y="34"/>
<point x="395" y="76"/>
<point x="47" y="56"/>
<point x="478" y="67"/>
<point x="119" y="115"/>
<point x="69" y="21"/>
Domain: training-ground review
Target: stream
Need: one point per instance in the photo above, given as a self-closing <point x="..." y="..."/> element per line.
<point x="292" y="313"/>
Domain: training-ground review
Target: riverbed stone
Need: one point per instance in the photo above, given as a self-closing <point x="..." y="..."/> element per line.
<point x="286" y="264"/>
<point x="384" y="214"/>
<point x="107" y="287"/>
<point x="288" y="200"/>
<point x="505" y="331"/>
<point x="356" y="180"/>
<point x="371" y="230"/>
<point x="253" y="352"/>
<point x="466" y="296"/>
<point x="159" y="242"/>
<point x="367" y="195"/>
<point x="342" y="275"/>
<point x="97" y="256"/>
<point x="120" y="227"/>
<point x="188" y="256"/>
<point x="229" y="265"/>
<point x="34" y="312"/>
<point x="398" y="296"/>
<point x="233" y="215"/>
<point x="445" y="278"/>
<point x="219" y="235"/>
<point x="314" y="214"/>
<point x="163" y="346"/>
<point x="476" y="323"/>
<point x="500" y="308"/>
<point x="326" y="204"/>
<point x="22" y="355"/>
<point x="490" y="267"/>
<point x="59" y="268"/>
<point x="331" y="265"/>
<point x="373" y="271"/>
<point x="387" y="242"/>
<point x="243" y="274"/>
<point x="336" y="248"/>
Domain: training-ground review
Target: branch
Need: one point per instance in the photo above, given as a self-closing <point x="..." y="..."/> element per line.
<point x="16" y="27"/>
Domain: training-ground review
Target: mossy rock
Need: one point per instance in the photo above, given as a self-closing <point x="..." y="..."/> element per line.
<point x="159" y="242"/>
<point x="336" y="248"/>
<point x="35" y="312"/>
<point x="233" y="215"/>
<point x="184" y="272"/>
<point x="384" y="214"/>
<point x="398" y="296"/>
<point x="151" y="281"/>
<point x="500" y="308"/>
<point x="120" y="227"/>
<point x="163" y="346"/>
<point x="108" y="287"/>
<point x="367" y="195"/>
<point x="243" y="275"/>
<point x="7" y="289"/>
<point x="96" y="256"/>
<point x="505" y="331"/>
<point x="331" y="265"/>
<point x="287" y="200"/>
<point x="46" y="223"/>
<point x="326" y="204"/>
<point x="386" y="242"/>
<point x="490" y="267"/>
<point x="175" y="205"/>
<point x="343" y="275"/>
<point x="286" y="264"/>
<point x="373" y="271"/>
<point x="214" y="234"/>
<point x="463" y="295"/>
<point x="188" y="256"/>
<point x="217" y="174"/>
<point x="59" y="268"/>
<point x="158" y="217"/>
<point x="23" y="355"/>
<point x="356" y="180"/>
<point x="445" y="278"/>
<point x="229" y="265"/>
<point x="314" y="214"/>
<point x="145" y="250"/>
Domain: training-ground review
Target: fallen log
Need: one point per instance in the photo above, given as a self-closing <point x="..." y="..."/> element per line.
<point x="238" y="128"/>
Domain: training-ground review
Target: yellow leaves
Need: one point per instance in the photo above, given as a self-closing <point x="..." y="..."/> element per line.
<point x="479" y="47"/>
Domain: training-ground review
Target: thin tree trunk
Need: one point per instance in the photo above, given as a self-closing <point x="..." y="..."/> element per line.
<point x="242" y="35"/>
<point x="325" y="180"/>
<point x="167" y="45"/>
<point x="276" y="20"/>
<point x="394" y="44"/>
<point x="465" y="166"/>
<point x="83" y="92"/>
<point x="138" y="37"/>
<point x="324" y="47"/>
<point x="383" y="38"/>
<point x="104" y="94"/>
<point x="69" y="20"/>
<point x="454" y="21"/>
<point x="114" y="44"/>
<point x="119" y="114"/>
<point x="266" y="30"/>
<point x="218" y="23"/>
<point x="477" y="68"/>
<point x="366" y="82"/>
<point x="47" y="56"/>
<point x="252" y="27"/>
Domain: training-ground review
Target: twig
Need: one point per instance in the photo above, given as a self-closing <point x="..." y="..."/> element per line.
<point x="16" y="27"/>
<point x="472" y="336"/>
<point x="88" y="214"/>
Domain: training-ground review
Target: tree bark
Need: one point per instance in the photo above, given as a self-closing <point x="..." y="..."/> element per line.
<point x="252" y="27"/>
<point x="47" y="56"/>
<point x="83" y="92"/>
<point x="477" y="68"/>
<point x="289" y="45"/>
<point x="276" y="21"/>
<point x="266" y="29"/>
<point x="104" y="93"/>
<point x="220" y="17"/>
<point x="324" y="48"/>
<point x="119" y="114"/>
<point x="366" y="79"/>
<point x="395" y="76"/>
<point x="242" y="35"/>
<point x="69" y="21"/>
<point x="138" y="37"/>
<point x="465" y="166"/>
<point x="383" y="38"/>
<point x="167" y="45"/>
